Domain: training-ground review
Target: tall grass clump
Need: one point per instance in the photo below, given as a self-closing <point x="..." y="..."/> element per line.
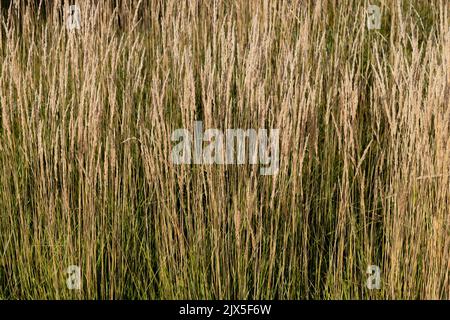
<point x="86" y="177"/>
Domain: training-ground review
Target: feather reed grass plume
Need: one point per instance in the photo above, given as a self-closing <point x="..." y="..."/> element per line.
<point x="86" y="179"/>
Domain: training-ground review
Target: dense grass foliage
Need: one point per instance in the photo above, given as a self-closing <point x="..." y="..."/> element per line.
<point x="86" y="179"/>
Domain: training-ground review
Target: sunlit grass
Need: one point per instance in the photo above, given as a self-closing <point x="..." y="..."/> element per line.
<point x="85" y="171"/>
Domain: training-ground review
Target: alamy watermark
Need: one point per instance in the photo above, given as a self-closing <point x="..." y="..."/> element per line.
<point x="74" y="18"/>
<point x="374" y="278"/>
<point x="216" y="147"/>
<point x="373" y="17"/>
<point x="73" y="280"/>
